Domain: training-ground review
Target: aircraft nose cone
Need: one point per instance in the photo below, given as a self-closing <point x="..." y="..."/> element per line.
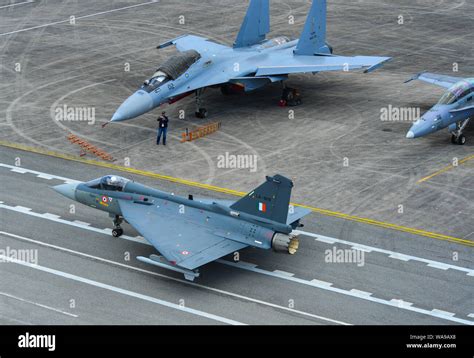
<point x="137" y="104"/>
<point x="410" y="135"/>
<point x="68" y="190"/>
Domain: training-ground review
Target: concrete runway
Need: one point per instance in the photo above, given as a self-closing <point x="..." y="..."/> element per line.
<point x="414" y="281"/>
<point x="82" y="64"/>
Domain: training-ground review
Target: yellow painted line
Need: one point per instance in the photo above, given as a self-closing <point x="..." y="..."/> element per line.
<point x="325" y="212"/>
<point x="444" y="170"/>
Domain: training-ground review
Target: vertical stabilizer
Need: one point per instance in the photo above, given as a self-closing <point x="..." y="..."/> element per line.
<point x="256" y="24"/>
<point x="313" y="37"/>
<point x="270" y="200"/>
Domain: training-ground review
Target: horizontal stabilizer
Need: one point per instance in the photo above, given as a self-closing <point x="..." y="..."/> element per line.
<point x="296" y="213"/>
<point x="435" y="79"/>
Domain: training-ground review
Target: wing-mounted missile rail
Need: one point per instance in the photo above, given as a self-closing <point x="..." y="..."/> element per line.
<point x="161" y="262"/>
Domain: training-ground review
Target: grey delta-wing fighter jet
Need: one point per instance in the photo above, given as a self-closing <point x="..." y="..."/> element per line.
<point x="189" y="233"/>
<point x="253" y="62"/>
<point x="453" y="111"/>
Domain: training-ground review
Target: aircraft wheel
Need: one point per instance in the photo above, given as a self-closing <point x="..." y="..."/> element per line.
<point x="202" y="113"/>
<point x="117" y="232"/>
<point x="461" y="139"/>
<point x="454" y="140"/>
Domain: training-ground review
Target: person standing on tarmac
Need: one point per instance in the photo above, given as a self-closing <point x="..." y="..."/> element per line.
<point x="162" y="128"/>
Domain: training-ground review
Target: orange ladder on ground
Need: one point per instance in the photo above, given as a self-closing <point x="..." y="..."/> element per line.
<point x="189" y="136"/>
<point x="88" y="147"/>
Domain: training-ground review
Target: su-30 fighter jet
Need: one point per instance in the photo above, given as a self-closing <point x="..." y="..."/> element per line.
<point x="189" y="233"/>
<point x="453" y="111"/>
<point x="251" y="63"/>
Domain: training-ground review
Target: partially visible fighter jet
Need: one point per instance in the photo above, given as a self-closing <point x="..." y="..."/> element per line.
<point x="251" y="63"/>
<point x="189" y="233"/>
<point x="453" y="110"/>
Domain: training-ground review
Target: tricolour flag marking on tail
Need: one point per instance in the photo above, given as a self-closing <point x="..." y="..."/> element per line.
<point x="262" y="207"/>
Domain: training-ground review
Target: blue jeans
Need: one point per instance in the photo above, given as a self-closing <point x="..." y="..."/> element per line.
<point x="160" y="132"/>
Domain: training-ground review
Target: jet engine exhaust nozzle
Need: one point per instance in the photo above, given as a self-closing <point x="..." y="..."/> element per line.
<point x="285" y="243"/>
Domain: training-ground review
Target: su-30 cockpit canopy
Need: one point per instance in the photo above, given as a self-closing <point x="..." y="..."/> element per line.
<point x="172" y="69"/>
<point x="108" y="182"/>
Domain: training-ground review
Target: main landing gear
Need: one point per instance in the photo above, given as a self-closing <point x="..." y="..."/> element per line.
<point x="290" y="97"/>
<point x="201" y="112"/>
<point x="457" y="136"/>
<point x="117" y="231"/>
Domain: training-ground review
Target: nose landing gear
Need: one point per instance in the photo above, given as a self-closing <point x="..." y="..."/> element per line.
<point x="117" y="231"/>
<point x="457" y="136"/>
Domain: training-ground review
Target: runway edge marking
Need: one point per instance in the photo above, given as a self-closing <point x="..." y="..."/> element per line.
<point x="445" y="169"/>
<point x="123" y="291"/>
<point x="186" y="282"/>
<point x="325" y="212"/>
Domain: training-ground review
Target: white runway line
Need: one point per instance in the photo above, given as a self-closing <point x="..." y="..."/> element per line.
<point x="284" y="273"/>
<point x="41" y="175"/>
<point x="122" y="291"/>
<point x="352" y="293"/>
<point x="38" y="304"/>
<point x="391" y="254"/>
<point x="362" y="293"/>
<point x="78" y="18"/>
<point x="18" y="3"/>
<point x="442" y="313"/>
<point x="216" y="290"/>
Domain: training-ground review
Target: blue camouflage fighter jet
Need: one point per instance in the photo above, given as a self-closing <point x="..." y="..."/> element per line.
<point x="251" y="63"/>
<point x="453" y="111"/>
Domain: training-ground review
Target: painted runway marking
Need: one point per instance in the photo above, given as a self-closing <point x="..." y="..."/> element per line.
<point x="353" y="293"/>
<point x="446" y="169"/>
<point x="362" y="293"/>
<point x="77" y="18"/>
<point x="284" y="273"/>
<point x="17" y="4"/>
<point x="216" y="290"/>
<point x="251" y="268"/>
<point x="401" y="303"/>
<point x="38" y="305"/>
<point x="41" y="175"/>
<point x="319" y="282"/>
<point x="123" y="291"/>
<point x="391" y="254"/>
<point x="443" y="313"/>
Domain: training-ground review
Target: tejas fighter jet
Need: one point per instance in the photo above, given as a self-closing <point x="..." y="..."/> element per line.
<point x="453" y="110"/>
<point x="189" y="233"/>
<point x="251" y="63"/>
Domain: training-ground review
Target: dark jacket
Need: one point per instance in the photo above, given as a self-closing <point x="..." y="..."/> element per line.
<point x="163" y="122"/>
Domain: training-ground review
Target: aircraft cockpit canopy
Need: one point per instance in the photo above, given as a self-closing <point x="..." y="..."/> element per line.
<point x="155" y="81"/>
<point x="108" y="182"/>
<point x="172" y="69"/>
<point x="456" y="92"/>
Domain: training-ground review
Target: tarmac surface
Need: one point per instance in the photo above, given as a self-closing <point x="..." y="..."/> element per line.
<point x="405" y="279"/>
